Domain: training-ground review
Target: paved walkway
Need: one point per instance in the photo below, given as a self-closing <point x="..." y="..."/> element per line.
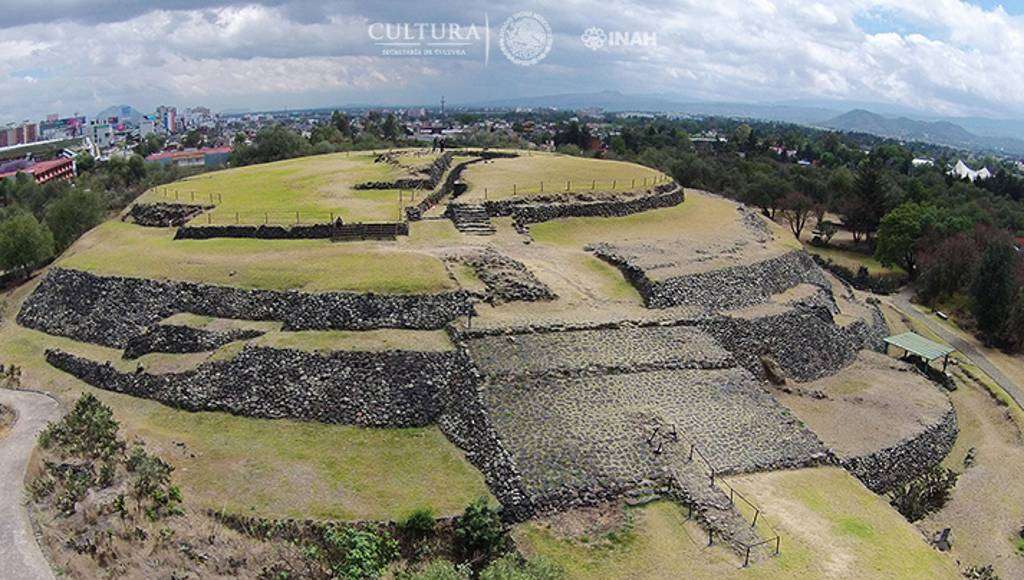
<point x="20" y="556"/>
<point x="902" y="302"/>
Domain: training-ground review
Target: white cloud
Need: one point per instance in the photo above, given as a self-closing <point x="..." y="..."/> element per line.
<point x="945" y="56"/>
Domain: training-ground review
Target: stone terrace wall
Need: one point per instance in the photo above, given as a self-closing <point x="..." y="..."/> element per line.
<point x="506" y="279"/>
<point x="527" y="211"/>
<point x="336" y="230"/>
<point x="433" y="174"/>
<point x="112" y="310"/>
<point x="371" y="389"/>
<point x="805" y="341"/>
<point x="743" y="285"/>
<point x="163" y="215"/>
<point x="882" y="471"/>
<point x="173" y="338"/>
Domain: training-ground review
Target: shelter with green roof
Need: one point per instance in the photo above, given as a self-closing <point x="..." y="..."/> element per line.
<point x="916" y="345"/>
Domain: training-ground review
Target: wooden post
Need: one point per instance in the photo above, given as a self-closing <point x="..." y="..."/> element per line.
<point x="613" y="184"/>
<point x="568" y="185"/>
<point x="266" y="218"/>
<point x="236" y="218"/>
<point x="542" y="187"/>
<point x="746" y="558"/>
<point x="513" y="189"/>
<point x="209" y="218"/>
<point x="710" y="536"/>
<point x="296" y="218"/>
<point x="632" y="183"/>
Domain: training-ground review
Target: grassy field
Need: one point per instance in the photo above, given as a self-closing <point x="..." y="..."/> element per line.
<point x="274" y="468"/>
<point x="314" y="186"/>
<point x="555" y="171"/>
<point x="832" y="527"/>
<point x="118" y="248"/>
<point x="701" y="216"/>
<point x="853" y="260"/>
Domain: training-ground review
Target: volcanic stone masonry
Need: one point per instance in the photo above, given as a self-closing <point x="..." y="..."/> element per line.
<point x="544" y="208"/>
<point x="748" y="284"/>
<point x="173" y="338"/>
<point x="370" y="389"/>
<point x="332" y="230"/>
<point x="110" y="311"/>
<point x="432" y="175"/>
<point x="164" y="215"/>
<point x="506" y="280"/>
<point x="884" y="470"/>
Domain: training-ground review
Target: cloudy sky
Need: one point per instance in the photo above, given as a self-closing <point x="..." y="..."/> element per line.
<point x="943" y="57"/>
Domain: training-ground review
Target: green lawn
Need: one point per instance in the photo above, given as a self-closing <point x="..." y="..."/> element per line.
<point x="853" y="260"/>
<point x="555" y="171"/>
<point x="118" y="248"/>
<point x="701" y="217"/>
<point x="276" y="468"/>
<point x="831" y="527"/>
<point x="316" y="187"/>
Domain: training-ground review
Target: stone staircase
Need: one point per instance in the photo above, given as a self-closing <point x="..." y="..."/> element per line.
<point x="471" y="219"/>
<point x="713" y="507"/>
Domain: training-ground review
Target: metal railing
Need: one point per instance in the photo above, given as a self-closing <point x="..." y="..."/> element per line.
<point x="733" y="496"/>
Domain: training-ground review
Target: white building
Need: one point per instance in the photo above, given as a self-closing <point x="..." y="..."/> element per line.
<point x="961" y="170"/>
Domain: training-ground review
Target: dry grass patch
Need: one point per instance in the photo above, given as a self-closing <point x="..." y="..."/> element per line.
<point x="121" y="249"/>
<point x="555" y="171"/>
<point x="832" y="527"/>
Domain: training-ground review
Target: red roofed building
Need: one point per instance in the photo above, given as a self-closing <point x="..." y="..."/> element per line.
<point x="61" y="169"/>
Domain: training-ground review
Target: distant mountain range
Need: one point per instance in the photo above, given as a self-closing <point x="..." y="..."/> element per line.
<point x="937" y="132"/>
<point x="123" y="112"/>
<point x="982" y="134"/>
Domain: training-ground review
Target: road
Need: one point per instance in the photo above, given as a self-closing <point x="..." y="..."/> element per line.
<point x="902" y="302"/>
<point x="20" y="555"/>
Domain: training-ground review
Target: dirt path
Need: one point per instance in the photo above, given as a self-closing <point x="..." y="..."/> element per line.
<point x="20" y="556"/>
<point x="902" y="302"/>
<point x="985" y="511"/>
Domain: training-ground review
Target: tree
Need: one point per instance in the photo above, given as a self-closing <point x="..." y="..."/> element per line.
<point x="390" y="129"/>
<point x="863" y="210"/>
<point x="796" y="209"/>
<point x="148" y="146"/>
<point x="341" y="123"/>
<point x="193" y="138"/>
<point x="72" y="214"/>
<point x="24" y="242"/>
<point x="899" y="234"/>
<point x="992" y="292"/>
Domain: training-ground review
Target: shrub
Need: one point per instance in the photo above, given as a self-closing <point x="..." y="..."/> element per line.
<point x="418" y="525"/>
<point x="513" y="567"/>
<point x="925" y="494"/>
<point x="439" y="570"/>
<point x="981" y="573"/>
<point x="480" y="533"/>
<point x="88" y="430"/>
<point x="353" y="553"/>
<point x="151" y="480"/>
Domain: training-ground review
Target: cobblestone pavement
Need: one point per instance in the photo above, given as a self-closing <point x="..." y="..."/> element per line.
<point x="596" y="435"/>
<point x="622" y="348"/>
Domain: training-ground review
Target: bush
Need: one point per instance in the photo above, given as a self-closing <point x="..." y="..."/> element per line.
<point x="439" y="570"/>
<point x="480" y="533"/>
<point x="151" y="480"/>
<point x="88" y="430"/>
<point x="512" y="567"/>
<point x="418" y="525"/>
<point x="353" y="553"/>
<point x="925" y="494"/>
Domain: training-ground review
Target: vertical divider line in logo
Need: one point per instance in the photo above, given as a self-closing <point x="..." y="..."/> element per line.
<point x="487" y="40"/>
